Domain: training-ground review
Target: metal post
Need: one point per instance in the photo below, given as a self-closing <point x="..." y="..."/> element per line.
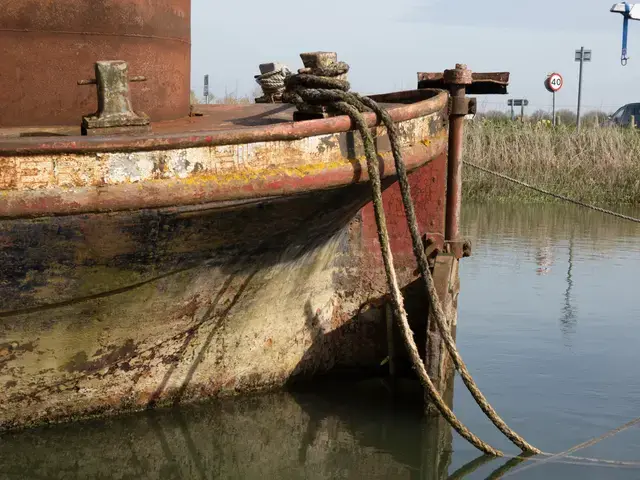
<point x="522" y="112"/>
<point x="580" y="86"/>
<point x="457" y="80"/>
<point x="513" y="113"/>
<point x="554" y="109"/>
<point x="454" y="170"/>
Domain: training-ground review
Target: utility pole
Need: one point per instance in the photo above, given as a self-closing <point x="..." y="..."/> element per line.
<point x="582" y="56"/>
<point x="206" y="89"/>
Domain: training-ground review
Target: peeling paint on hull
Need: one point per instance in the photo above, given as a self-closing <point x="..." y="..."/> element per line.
<point x="103" y="311"/>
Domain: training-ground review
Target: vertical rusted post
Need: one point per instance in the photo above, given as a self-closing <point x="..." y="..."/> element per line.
<point x="457" y="80"/>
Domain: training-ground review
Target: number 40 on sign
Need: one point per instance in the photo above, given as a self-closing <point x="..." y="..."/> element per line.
<point x="554" y="82"/>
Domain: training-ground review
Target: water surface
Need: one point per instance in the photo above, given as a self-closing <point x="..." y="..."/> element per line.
<point x="548" y="324"/>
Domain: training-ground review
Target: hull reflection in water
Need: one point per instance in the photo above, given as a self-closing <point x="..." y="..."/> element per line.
<point x="349" y="430"/>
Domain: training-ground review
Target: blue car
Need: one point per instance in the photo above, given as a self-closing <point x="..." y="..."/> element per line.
<point x="623" y="115"/>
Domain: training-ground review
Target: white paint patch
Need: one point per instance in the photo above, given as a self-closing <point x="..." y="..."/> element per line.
<point x="129" y="167"/>
<point x="179" y="165"/>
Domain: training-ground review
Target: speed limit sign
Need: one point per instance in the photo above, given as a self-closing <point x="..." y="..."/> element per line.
<point x="554" y="82"/>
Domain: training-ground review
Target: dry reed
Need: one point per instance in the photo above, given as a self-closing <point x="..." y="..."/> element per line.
<point x="598" y="164"/>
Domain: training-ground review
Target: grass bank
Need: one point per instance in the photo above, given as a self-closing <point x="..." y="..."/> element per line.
<point x="597" y="165"/>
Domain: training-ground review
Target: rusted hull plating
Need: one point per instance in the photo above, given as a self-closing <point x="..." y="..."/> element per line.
<point x="107" y="311"/>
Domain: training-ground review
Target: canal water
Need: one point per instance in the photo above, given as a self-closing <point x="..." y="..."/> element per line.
<point x="548" y="323"/>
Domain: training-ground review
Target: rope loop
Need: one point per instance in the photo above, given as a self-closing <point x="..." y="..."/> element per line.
<point x="334" y="70"/>
<point x="273" y="83"/>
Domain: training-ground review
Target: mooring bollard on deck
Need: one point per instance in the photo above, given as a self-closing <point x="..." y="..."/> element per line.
<point x="115" y="113"/>
<point x="320" y="64"/>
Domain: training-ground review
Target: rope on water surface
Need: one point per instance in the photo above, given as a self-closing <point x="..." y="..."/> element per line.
<point x="581" y="446"/>
<point x="551" y="194"/>
<point x="321" y="87"/>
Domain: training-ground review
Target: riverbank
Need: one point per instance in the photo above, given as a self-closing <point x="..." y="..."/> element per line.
<point x="597" y="165"/>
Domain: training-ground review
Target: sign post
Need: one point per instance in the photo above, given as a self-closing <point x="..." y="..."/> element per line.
<point x="553" y="84"/>
<point x="206" y="89"/>
<point x="520" y="102"/>
<point x="582" y="56"/>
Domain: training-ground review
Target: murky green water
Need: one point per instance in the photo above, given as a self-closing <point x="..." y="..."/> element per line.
<point x="549" y="326"/>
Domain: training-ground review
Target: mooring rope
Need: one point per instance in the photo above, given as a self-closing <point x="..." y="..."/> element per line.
<point x="431" y="292"/>
<point x="320" y="87"/>
<point x="581" y="446"/>
<point x="551" y="194"/>
<point x="272" y="83"/>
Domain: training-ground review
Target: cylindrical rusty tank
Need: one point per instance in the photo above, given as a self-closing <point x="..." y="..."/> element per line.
<point x="47" y="46"/>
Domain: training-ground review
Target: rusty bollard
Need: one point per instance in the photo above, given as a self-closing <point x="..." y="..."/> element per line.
<point x="115" y="113"/>
<point x="319" y="64"/>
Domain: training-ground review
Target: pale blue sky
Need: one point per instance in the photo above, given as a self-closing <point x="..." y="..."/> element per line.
<point x="387" y="42"/>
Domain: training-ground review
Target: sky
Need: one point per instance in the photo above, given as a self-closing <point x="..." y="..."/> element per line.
<point x="386" y="42"/>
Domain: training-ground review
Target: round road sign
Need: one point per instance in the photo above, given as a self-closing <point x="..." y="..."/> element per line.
<point x="554" y="82"/>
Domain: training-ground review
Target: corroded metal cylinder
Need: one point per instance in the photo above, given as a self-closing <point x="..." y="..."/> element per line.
<point x="47" y="46"/>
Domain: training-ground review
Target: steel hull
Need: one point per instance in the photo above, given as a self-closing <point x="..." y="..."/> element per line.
<point x="258" y="267"/>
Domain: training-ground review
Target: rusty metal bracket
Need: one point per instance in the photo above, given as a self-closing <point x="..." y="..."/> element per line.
<point x="431" y="249"/>
<point x="115" y="113"/>
<point x="462" y="106"/>
<point x="459" y="248"/>
<point x="495" y="83"/>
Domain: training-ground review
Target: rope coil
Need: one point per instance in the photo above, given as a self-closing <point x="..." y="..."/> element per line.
<point x="311" y="87"/>
<point x="273" y="83"/>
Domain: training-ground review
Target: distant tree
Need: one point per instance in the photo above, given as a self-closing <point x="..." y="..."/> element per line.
<point x="257" y="92"/>
<point x="540" y="115"/>
<point x="229" y="98"/>
<point x="595" y="118"/>
<point x="494" y="116"/>
<point x="566" y="117"/>
<point x="234" y="99"/>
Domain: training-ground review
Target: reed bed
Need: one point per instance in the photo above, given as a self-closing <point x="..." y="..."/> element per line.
<point x="599" y="165"/>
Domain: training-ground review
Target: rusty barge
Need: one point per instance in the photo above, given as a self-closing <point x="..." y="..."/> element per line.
<point x="193" y="251"/>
